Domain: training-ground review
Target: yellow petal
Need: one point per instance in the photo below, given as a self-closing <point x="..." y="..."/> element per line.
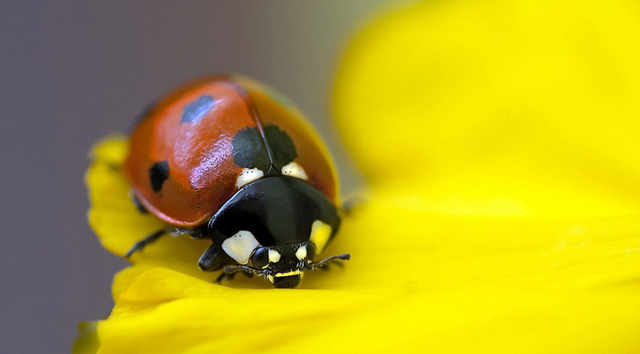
<point x="500" y="107"/>
<point x="119" y="225"/>
<point x="500" y="138"/>
<point x="416" y="281"/>
<point x="113" y="217"/>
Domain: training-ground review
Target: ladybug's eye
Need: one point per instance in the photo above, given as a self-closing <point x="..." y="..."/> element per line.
<point x="311" y="251"/>
<point x="306" y="251"/>
<point x="260" y="258"/>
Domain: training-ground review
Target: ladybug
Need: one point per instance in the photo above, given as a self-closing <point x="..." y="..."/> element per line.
<point x="226" y="158"/>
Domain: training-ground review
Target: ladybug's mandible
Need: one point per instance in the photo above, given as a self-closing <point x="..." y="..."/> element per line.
<point x="227" y="158"/>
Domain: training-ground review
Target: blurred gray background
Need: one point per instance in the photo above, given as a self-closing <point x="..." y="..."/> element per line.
<point x="72" y="72"/>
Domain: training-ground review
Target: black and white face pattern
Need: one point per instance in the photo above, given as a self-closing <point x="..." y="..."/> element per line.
<point x="282" y="265"/>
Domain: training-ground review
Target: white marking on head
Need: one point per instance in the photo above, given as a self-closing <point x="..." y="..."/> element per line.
<point x="301" y="253"/>
<point x="320" y="233"/>
<point x="248" y="175"/>
<point x="240" y="246"/>
<point x="274" y="256"/>
<point x="294" y="170"/>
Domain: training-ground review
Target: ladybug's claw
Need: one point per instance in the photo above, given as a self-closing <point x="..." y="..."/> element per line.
<point x="230" y="271"/>
<point x="224" y="276"/>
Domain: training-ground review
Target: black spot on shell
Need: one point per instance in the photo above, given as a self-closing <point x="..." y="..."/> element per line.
<point x="282" y="148"/>
<point x="249" y="150"/>
<point x="158" y="173"/>
<point x="197" y="109"/>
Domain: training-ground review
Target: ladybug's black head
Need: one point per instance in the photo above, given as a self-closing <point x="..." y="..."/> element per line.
<point x="273" y="227"/>
<point x="283" y="264"/>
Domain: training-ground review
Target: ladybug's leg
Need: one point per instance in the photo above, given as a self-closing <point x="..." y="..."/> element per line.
<point x="173" y="231"/>
<point x="138" y="246"/>
<point x="227" y="276"/>
<point x="224" y="276"/>
<point x="230" y="272"/>
<point x="212" y="259"/>
<point x="194" y="234"/>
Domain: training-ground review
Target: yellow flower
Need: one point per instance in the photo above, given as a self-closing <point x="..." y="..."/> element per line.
<point x="500" y="141"/>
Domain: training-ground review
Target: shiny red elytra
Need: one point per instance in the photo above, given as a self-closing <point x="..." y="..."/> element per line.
<point x="227" y="158"/>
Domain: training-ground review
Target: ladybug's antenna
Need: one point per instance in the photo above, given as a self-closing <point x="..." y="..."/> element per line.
<point x="232" y="269"/>
<point x="324" y="262"/>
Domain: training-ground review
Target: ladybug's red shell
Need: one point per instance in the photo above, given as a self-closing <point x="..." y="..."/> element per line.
<point x="181" y="162"/>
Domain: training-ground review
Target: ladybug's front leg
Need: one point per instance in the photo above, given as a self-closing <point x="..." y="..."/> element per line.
<point x="140" y="245"/>
<point x="213" y="259"/>
<point x="228" y="276"/>
<point x="224" y="276"/>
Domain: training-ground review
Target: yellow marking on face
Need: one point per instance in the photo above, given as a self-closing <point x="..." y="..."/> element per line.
<point x="320" y="233"/>
<point x="288" y="274"/>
